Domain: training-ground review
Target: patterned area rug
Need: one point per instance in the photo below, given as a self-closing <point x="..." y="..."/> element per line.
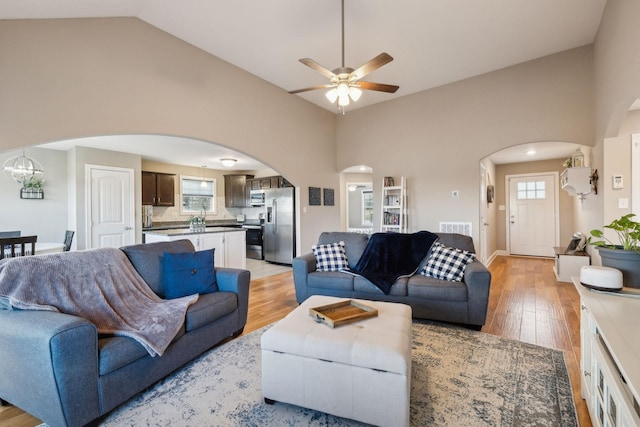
<point x="460" y="378"/>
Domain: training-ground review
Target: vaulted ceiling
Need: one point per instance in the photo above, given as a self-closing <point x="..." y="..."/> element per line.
<point x="433" y="42"/>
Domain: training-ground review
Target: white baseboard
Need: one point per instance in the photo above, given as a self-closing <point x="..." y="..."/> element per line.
<point x="494" y="255"/>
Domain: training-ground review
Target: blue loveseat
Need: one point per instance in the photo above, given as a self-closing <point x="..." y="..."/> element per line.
<point x="59" y="369"/>
<point x="463" y="302"/>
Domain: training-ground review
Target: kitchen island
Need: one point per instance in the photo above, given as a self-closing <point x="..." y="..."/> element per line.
<point x="229" y="243"/>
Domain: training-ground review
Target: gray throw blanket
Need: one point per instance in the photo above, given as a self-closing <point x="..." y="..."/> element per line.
<point x="98" y="285"/>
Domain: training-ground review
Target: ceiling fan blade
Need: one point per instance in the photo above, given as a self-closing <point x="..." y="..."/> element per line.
<point x="328" y="85"/>
<point x="371" y="66"/>
<point x="319" y="68"/>
<point x="380" y="87"/>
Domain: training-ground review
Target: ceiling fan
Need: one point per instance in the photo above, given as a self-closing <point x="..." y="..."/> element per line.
<point x="344" y="82"/>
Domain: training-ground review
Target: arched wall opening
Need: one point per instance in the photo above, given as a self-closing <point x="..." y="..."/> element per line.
<point x="543" y="157"/>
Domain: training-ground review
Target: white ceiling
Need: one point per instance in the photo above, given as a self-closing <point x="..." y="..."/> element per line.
<point x="433" y="42"/>
<point x="165" y="149"/>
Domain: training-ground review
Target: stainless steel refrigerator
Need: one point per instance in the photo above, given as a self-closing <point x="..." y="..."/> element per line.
<point x="279" y="226"/>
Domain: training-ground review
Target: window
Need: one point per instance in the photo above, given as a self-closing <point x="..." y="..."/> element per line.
<point x="197" y="195"/>
<point x="531" y="190"/>
<point x="367" y="207"/>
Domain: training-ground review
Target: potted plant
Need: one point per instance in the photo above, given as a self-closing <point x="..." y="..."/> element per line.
<point x="625" y="255"/>
<point x="32" y="188"/>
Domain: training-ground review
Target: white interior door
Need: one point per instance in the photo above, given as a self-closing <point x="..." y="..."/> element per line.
<point x="484" y="222"/>
<point x="532" y="215"/>
<point x="110" y="207"/>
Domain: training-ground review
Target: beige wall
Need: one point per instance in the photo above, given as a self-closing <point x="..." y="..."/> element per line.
<point x="437" y="138"/>
<point x="62" y="79"/>
<point x="616" y="86"/>
<point x="617" y="161"/>
<point x="617" y="65"/>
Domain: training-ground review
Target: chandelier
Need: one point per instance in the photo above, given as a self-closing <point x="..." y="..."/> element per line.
<point x="23" y="169"/>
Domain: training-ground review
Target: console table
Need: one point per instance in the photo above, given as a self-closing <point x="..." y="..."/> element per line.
<point x="610" y="357"/>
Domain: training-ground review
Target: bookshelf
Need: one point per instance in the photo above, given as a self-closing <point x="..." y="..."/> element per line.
<point x="393" y="216"/>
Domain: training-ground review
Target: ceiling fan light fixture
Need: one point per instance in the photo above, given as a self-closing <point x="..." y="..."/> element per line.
<point x="228" y="162"/>
<point x="332" y="95"/>
<point x="343" y="80"/>
<point x="355" y="93"/>
<point x="342" y="89"/>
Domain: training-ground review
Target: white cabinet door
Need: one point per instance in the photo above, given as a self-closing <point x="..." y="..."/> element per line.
<point x="214" y="241"/>
<point x="152" y="237"/>
<point x="236" y="249"/>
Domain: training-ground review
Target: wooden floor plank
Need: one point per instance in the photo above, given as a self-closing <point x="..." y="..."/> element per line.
<point x="553" y="320"/>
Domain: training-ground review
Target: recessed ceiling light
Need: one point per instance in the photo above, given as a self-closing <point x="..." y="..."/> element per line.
<point x="531" y="152"/>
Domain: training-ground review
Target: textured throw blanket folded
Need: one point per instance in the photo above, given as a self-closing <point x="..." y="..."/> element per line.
<point x="98" y="285"/>
<point x="389" y="256"/>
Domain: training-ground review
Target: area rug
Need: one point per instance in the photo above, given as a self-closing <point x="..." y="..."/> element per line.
<point x="459" y="378"/>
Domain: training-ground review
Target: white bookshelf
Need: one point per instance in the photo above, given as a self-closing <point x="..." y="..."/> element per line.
<point x="393" y="215"/>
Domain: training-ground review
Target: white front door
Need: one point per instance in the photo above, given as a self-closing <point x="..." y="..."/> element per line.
<point x="110" y="207"/>
<point x="532" y="215"/>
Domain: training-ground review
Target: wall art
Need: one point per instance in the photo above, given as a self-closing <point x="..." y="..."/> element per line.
<point x="328" y="197"/>
<point x="314" y="196"/>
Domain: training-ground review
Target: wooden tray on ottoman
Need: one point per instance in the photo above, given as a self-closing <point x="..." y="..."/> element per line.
<point x="342" y="313"/>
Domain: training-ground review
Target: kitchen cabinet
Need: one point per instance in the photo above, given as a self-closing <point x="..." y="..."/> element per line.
<point x="229" y="244"/>
<point x="268" y="182"/>
<point x="236" y="191"/>
<point x="158" y="189"/>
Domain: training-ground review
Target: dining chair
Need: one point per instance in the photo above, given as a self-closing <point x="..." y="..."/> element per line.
<point x="68" y="238"/>
<point x="17" y="246"/>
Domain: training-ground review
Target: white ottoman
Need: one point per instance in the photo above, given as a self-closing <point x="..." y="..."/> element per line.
<point x="360" y="371"/>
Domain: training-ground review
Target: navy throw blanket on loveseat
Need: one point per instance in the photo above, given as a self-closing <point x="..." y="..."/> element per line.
<point x="391" y="255"/>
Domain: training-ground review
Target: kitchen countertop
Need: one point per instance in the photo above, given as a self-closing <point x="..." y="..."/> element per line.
<point x="186" y="231"/>
<point x="183" y="225"/>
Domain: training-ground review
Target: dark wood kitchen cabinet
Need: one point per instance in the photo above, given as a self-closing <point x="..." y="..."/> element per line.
<point x="260" y="183"/>
<point x="236" y="191"/>
<point x="158" y="189"/>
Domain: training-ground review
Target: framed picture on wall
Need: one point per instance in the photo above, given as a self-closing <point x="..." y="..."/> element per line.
<point x="328" y="196"/>
<point x="314" y="196"/>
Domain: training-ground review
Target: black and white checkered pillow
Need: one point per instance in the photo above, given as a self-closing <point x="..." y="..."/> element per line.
<point x="331" y="257"/>
<point x="447" y="263"/>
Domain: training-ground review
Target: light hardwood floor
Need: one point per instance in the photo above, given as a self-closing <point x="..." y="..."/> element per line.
<point x="526" y="304"/>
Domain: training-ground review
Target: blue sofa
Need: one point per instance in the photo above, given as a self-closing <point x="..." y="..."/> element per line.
<point x="59" y="369"/>
<point x="462" y="302"/>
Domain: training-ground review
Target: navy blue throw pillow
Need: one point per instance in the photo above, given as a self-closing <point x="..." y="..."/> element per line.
<point x="188" y="273"/>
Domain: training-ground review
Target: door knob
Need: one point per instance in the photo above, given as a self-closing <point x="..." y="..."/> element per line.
<point x="127" y="228"/>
